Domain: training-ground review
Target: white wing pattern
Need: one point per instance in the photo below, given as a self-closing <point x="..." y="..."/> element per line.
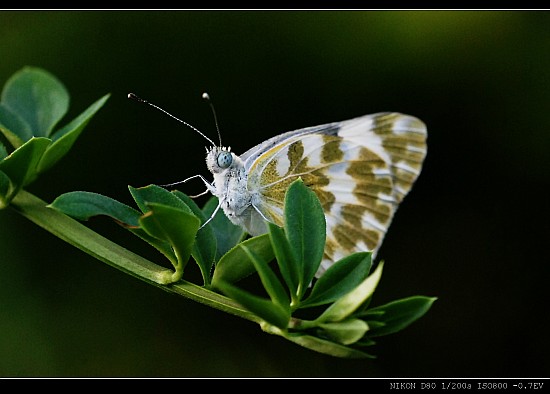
<point x="361" y="169"/>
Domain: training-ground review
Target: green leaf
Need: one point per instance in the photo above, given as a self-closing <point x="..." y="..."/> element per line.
<point x="15" y="129"/>
<point x="374" y="323"/>
<point x="286" y="261"/>
<point x="236" y="264"/>
<point x="205" y="246"/>
<point x="162" y="246"/>
<point x="204" y="249"/>
<point x="173" y="226"/>
<point x="270" y="312"/>
<point x="365" y="341"/>
<point x="339" y="279"/>
<point x="327" y="347"/>
<point x="3" y="151"/>
<point x="64" y="138"/>
<point x="5" y="187"/>
<point x="209" y="239"/>
<point x="192" y="205"/>
<point x="20" y="165"/>
<point x="84" y="205"/>
<point x="143" y="196"/>
<point x="227" y="234"/>
<point x="346" y="305"/>
<point x="345" y="332"/>
<point x="305" y="229"/>
<point x="271" y="283"/>
<point x="156" y="194"/>
<point x="38" y="97"/>
<point x="397" y="315"/>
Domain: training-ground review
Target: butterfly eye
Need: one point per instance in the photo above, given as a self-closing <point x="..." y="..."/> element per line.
<point x="224" y="159"/>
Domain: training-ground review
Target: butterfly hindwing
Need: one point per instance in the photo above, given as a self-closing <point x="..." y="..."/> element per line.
<point x="360" y="169"/>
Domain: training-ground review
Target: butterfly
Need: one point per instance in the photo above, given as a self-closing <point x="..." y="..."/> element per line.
<point x="360" y="169"/>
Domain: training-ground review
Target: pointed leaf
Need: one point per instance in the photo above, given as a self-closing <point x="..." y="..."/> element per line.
<point x="236" y="264"/>
<point x="375" y="324"/>
<point x="3" y="151"/>
<point x="305" y="229"/>
<point x="191" y="204"/>
<point x="15" y="129"/>
<point x="64" y="138"/>
<point x="398" y="314"/>
<point x="204" y="247"/>
<point x="346" y="305"/>
<point x="270" y="312"/>
<point x="327" y="347"/>
<point x="204" y="250"/>
<point x="345" y="332"/>
<point x="227" y="234"/>
<point x="174" y="226"/>
<point x="285" y="259"/>
<point x="20" y="165"/>
<point x="38" y="97"/>
<point x="162" y="246"/>
<point x="5" y="187"/>
<point x="156" y="194"/>
<point x="365" y="341"/>
<point x="339" y="279"/>
<point x="271" y="283"/>
<point x="84" y="205"/>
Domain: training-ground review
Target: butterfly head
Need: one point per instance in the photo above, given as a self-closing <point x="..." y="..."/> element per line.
<point x="219" y="159"/>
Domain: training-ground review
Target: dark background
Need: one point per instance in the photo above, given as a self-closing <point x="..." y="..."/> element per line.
<point x="471" y="232"/>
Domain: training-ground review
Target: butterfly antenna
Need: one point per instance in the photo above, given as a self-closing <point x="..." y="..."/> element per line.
<point x="133" y="96"/>
<point x="206" y="97"/>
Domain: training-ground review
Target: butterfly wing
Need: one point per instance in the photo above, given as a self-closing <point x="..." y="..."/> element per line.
<point x="360" y="169"/>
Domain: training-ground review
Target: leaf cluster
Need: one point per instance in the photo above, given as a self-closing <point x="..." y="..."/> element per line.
<point x="285" y="261"/>
<point x="331" y="314"/>
<point x="32" y="104"/>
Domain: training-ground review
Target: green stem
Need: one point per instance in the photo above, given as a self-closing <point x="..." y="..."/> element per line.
<point x="76" y="234"/>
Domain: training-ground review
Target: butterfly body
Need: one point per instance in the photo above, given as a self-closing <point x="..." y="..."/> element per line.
<point x="360" y="169"/>
<point x="230" y="185"/>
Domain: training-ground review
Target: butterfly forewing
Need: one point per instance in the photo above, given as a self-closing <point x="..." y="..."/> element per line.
<point x="360" y="169"/>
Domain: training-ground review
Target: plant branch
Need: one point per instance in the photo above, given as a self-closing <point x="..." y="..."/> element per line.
<point x="80" y="236"/>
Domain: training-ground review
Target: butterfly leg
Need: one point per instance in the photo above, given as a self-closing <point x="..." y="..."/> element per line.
<point x="209" y="187"/>
<point x="212" y="216"/>
<point x="261" y="214"/>
<point x="200" y="194"/>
